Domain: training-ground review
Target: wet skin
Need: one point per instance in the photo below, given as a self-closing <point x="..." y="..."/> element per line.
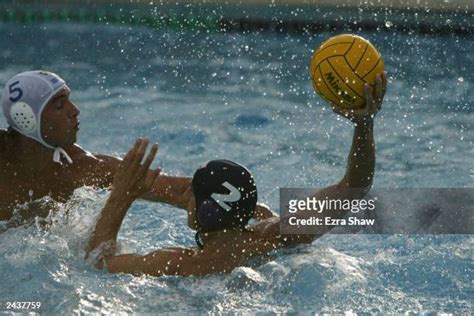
<point x="28" y="172"/>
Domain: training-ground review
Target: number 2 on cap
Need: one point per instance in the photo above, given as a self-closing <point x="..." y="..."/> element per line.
<point x="15" y="90"/>
<point x="221" y="199"/>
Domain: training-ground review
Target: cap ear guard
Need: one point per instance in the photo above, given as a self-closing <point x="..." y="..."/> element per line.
<point x="209" y="215"/>
<point x="23" y="116"/>
<point x="212" y="217"/>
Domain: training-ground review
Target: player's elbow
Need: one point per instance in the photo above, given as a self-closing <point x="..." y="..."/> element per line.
<point x="295" y="240"/>
<point x="306" y="238"/>
<point x="355" y="189"/>
<point x="365" y="189"/>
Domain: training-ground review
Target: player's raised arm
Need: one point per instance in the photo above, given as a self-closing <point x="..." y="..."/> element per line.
<point x="361" y="160"/>
<point x="131" y="180"/>
<point x="360" y="170"/>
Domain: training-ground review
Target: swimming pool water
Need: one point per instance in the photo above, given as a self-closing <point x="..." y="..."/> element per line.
<point x="247" y="97"/>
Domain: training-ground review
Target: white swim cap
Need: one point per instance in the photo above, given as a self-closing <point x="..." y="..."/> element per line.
<point x="24" y="98"/>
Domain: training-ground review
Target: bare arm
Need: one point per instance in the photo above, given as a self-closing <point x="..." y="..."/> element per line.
<point x="175" y="261"/>
<point x="185" y="261"/>
<point x="360" y="170"/>
<point x="131" y="180"/>
<point x="169" y="190"/>
<point x="157" y="263"/>
<point x="166" y="189"/>
<point x="361" y="160"/>
<point x="109" y="222"/>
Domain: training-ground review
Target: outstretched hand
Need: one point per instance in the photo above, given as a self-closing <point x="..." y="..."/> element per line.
<point x="133" y="178"/>
<point x="373" y="103"/>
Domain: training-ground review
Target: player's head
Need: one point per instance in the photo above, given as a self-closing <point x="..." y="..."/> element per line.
<point x="225" y="195"/>
<point x="36" y="104"/>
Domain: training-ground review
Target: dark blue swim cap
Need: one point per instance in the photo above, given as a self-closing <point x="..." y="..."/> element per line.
<point x="226" y="195"/>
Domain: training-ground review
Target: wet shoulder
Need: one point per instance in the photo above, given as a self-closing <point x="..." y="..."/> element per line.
<point x="90" y="169"/>
<point x="81" y="157"/>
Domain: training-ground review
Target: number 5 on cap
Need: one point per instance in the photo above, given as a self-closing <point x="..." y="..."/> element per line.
<point x="221" y="199"/>
<point x="15" y="90"/>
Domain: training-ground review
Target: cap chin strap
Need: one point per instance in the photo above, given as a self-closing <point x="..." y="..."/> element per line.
<point x="198" y="240"/>
<point x="58" y="151"/>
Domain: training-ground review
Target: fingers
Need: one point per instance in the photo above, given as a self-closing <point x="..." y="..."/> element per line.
<point x="133" y="177"/>
<point x="373" y="101"/>
<point x="368" y="93"/>
<point x="140" y="152"/>
<point x="380" y="84"/>
<point x="135" y="156"/>
<point x="378" y="94"/>
<point x="384" y="82"/>
<point x="149" y="159"/>
<point x="151" y="156"/>
<point x="131" y="153"/>
<point x="337" y="110"/>
<point x="369" y="100"/>
<point x="378" y="89"/>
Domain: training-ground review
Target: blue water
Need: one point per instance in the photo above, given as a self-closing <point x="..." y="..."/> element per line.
<point x="247" y="97"/>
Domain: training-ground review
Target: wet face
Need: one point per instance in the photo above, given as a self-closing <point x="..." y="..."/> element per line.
<point x="60" y="120"/>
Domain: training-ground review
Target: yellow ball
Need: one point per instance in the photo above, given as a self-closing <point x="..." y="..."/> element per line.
<point x="341" y="66"/>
